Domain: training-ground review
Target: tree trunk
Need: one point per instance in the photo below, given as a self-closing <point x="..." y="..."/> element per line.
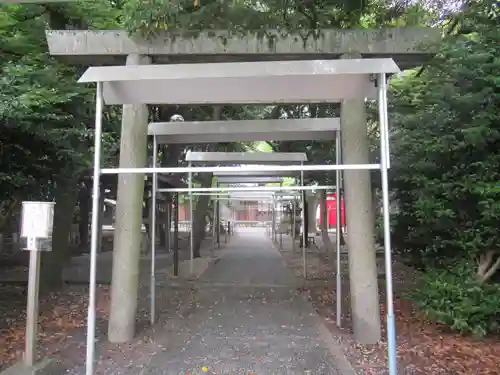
<point x="83" y="224"/>
<point x="203" y="204"/>
<point x="306" y="221"/>
<point x="6" y="212"/>
<point x="53" y="261"/>
<point x="342" y="238"/>
<point x="487" y="265"/>
<point x="167" y="220"/>
<point x="162" y="227"/>
<point x="199" y="215"/>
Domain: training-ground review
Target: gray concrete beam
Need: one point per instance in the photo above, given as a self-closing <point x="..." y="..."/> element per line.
<point x="110" y="47"/>
<point x="249" y="180"/>
<point x="320" y="129"/>
<point x="229" y="158"/>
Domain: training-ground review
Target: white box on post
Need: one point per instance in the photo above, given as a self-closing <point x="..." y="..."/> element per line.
<point x="36" y="223"/>
<point x="36" y="227"/>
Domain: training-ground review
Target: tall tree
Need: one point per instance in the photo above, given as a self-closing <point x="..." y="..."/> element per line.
<point x="48" y="115"/>
<point x="446" y="149"/>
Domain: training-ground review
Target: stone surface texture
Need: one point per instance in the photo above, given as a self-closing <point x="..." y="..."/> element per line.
<point x="408" y="46"/>
<point x="127" y="236"/>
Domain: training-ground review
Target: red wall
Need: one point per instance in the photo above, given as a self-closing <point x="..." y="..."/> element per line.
<point x="331" y="207"/>
<point x="183" y="212"/>
<point x="249" y="212"/>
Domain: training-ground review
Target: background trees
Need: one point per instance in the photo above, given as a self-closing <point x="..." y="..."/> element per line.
<point x="445" y="173"/>
<point x="46" y="118"/>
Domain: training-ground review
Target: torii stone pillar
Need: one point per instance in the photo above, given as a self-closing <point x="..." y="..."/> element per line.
<point x="127" y="237"/>
<point x="312" y="207"/>
<point x="360" y="223"/>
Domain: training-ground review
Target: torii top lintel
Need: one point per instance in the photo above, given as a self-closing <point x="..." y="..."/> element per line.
<point x="408" y="46"/>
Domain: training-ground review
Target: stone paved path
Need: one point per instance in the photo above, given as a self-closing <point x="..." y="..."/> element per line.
<point x="246" y="317"/>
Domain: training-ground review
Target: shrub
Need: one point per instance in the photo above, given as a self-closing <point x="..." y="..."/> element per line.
<point x="455" y="298"/>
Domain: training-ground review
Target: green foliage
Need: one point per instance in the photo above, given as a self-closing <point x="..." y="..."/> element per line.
<point x="270" y="18"/>
<point x="454" y="297"/>
<point x="240" y="16"/>
<point x="445" y="174"/>
<point x="446" y="148"/>
<point x="46" y="117"/>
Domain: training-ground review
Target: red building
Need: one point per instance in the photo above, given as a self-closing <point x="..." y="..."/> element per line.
<point x="331" y="209"/>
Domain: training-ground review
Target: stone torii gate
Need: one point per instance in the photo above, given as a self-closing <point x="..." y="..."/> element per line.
<point x="115" y="47"/>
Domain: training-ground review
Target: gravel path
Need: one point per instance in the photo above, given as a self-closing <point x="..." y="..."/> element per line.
<point x="247" y="318"/>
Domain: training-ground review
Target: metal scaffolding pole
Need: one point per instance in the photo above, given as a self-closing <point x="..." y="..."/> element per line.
<point x="274" y="221"/>
<point x="218" y="220"/>
<point x="175" y="215"/>
<point x="244" y="168"/>
<point x="152" y="312"/>
<point x="304" y="234"/>
<point x="214" y="219"/>
<point x="169" y="222"/>
<point x="281" y="220"/>
<point x="384" y="156"/>
<point x="191" y="237"/>
<point x="269" y="217"/>
<point x="91" y="317"/>
<point x="338" y="228"/>
<point x="293" y="225"/>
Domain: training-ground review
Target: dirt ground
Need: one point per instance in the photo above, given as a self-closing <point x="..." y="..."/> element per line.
<point x="62" y="320"/>
<point x="423" y="347"/>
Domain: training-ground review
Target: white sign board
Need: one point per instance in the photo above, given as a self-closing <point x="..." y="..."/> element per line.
<point x="37" y="219"/>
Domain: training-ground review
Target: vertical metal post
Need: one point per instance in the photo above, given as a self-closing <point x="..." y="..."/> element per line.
<point x="169" y="221"/>
<point x="175" y="214"/>
<point x="152" y="311"/>
<point x="214" y="219"/>
<point x="294" y="224"/>
<point x="91" y="318"/>
<point x="233" y="216"/>
<point x="303" y="217"/>
<point x="391" y="323"/>
<point x="281" y="220"/>
<point x="274" y="218"/>
<point x="101" y="219"/>
<point x="271" y="218"/>
<point x="338" y="228"/>
<point x="32" y="309"/>
<point x="266" y="218"/>
<point x="385" y="132"/>
<point x="191" y="237"/>
<point x="218" y="221"/>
